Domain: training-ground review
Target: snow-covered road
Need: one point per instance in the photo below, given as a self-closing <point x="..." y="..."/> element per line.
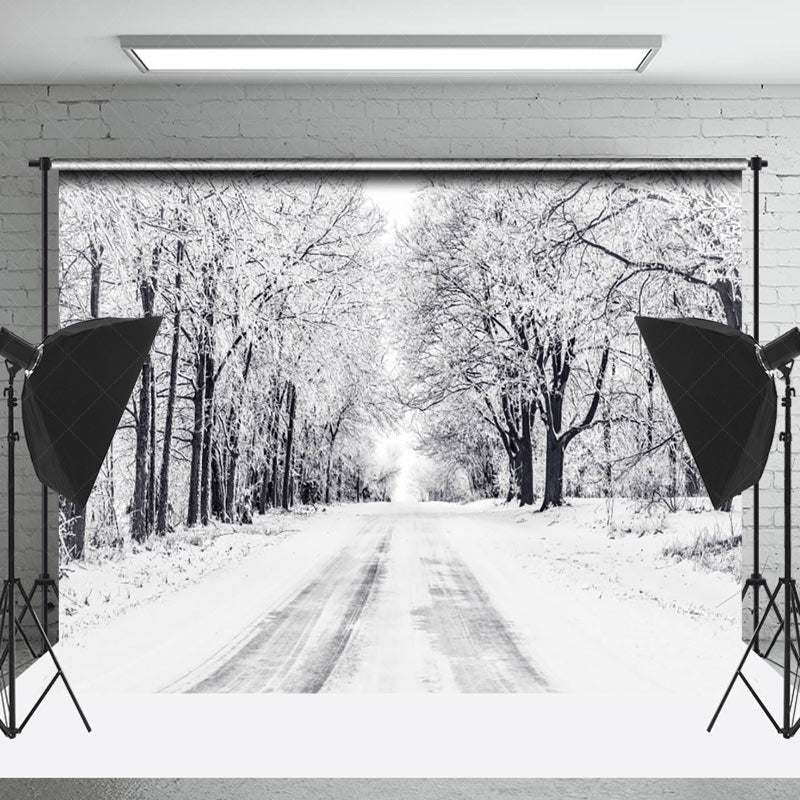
<point x="429" y="598"/>
<point x="395" y="608"/>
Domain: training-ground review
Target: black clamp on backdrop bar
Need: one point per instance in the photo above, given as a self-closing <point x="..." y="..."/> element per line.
<point x="42" y="163"/>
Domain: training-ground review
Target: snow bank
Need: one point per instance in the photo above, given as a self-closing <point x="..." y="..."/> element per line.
<point x="109" y="582"/>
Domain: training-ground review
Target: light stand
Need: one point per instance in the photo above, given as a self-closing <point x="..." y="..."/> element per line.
<point x="789" y="622"/>
<point x="10" y="623"/>
<point x="721" y="385"/>
<point x="78" y="382"/>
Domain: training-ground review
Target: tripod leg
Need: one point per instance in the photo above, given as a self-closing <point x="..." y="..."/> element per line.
<point x="38" y="702"/>
<point x="3" y="657"/>
<point x="773" y="641"/>
<point x="24" y="635"/>
<point x="26" y="607"/>
<point x="3" y="599"/>
<point x="794" y="643"/>
<point x="760" y="703"/>
<point x="53" y="656"/>
<point x="45" y="584"/>
<point x="775" y="636"/>
<point x="748" y="650"/>
<point x="796" y="621"/>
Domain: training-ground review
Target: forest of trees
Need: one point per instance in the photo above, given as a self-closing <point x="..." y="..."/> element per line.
<point x="497" y="323"/>
<point x="518" y="304"/>
<point x="266" y="379"/>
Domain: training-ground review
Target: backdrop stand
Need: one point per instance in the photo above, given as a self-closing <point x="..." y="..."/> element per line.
<point x="45" y="583"/>
<point x="756" y="581"/>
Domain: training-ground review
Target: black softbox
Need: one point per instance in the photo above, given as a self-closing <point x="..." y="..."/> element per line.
<point x="74" y="397"/>
<point x="722" y="395"/>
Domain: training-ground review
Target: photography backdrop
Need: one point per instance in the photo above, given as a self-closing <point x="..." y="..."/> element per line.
<point x="365" y="336"/>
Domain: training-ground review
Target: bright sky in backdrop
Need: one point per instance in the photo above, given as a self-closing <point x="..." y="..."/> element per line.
<point x="394" y="195"/>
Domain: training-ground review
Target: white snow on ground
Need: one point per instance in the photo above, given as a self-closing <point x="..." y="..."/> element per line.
<point x="607" y="614"/>
<point x="110" y="582"/>
<point x="591" y="611"/>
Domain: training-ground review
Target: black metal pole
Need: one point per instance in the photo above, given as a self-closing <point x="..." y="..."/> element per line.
<point x="787" y="553"/>
<point x="44" y="168"/>
<point x="11" y="583"/>
<point x="45" y="582"/>
<point x="756" y="580"/>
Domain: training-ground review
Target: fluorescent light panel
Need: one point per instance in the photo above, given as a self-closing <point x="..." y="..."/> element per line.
<point x="391" y="54"/>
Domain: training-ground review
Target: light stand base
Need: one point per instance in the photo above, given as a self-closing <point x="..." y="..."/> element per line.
<point x="756" y="582"/>
<point x="790" y="723"/>
<point x="7" y="609"/>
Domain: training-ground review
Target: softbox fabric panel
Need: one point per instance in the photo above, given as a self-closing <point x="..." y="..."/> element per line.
<point x="76" y="394"/>
<point x="723" y="398"/>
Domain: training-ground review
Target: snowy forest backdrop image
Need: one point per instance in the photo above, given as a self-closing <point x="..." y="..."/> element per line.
<point x="408" y="404"/>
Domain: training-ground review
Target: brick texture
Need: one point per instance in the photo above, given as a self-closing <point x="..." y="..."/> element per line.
<point x="400" y="120"/>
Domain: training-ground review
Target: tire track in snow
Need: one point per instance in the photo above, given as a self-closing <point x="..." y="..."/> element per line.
<point x="296" y="648"/>
<point x="479" y="645"/>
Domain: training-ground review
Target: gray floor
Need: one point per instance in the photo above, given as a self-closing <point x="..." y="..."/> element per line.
<point x="434" y="789"/>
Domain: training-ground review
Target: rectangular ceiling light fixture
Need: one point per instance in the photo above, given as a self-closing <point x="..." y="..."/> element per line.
<point x="392" y="54"/>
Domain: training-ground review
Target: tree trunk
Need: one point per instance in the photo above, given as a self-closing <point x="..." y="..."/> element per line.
<point x="151" y="477"/>
<point x="731" y="300"/>
<point x="230" y="488"/>
<point x="554" y="454"/>
<point x="139" y="528"/>
<point x="673" y="469"/>
<point x="286" y="494"/>
<point x="333" y="432"/>
<point x="275" y="482"/>
<point x="651" y="381"/>
<point x="694" y="486"/>
<point x="139" y="502"/>
<point x="74" y="528"/>
<point x="112" y="499"/>
<point x="75" y="532"/>
<point x="234" y="434"/>
<point x="268" y="497"/>
<point x="163" y="482"/>
<point x="217" y="499"/>
<point x="95" y="259"/>
<point x="554" y="472"/>
<point x="607" y="469"/>
<point x="208" y="419"/>
<point x="526" y="457"/>
<point x="262" y="498"/>
<point x="328" y="475"/>
<point x="515" y="476"/>
<point x="193" y="510"/>
<point x="271" y="472"/>
<point x="209" y="271"/>
<point x="557" y="438"/>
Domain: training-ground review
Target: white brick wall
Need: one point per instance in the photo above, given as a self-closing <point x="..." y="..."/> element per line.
<point x="398" y="120"/>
